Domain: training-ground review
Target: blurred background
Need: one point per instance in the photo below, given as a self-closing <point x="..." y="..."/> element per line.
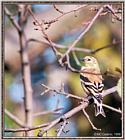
<point x="46" y="70"/>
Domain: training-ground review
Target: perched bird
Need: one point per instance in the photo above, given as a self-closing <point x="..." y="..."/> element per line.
<point x="91" y="81"/>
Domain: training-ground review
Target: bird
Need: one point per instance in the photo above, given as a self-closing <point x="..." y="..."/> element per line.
<point x="91" y="82"/>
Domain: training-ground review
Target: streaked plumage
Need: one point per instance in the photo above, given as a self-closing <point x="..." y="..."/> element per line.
<point x="91" y="81"/>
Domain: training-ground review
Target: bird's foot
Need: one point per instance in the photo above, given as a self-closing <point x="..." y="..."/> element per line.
<point x="85" y="100"/>
<point x="99" y="96"/>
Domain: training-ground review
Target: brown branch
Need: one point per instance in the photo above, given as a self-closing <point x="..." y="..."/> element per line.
<point x="14" y="118"/>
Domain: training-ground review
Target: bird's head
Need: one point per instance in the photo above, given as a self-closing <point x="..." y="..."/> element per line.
<point x="90" y="62"/>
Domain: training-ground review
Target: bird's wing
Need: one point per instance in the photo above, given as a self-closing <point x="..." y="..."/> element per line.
<point x="92" y="82"/>
<point x="92" y="75"/>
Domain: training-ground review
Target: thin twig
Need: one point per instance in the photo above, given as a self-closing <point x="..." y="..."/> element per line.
<point x="64" y="58"/>
<point x="85" y="50"/>
<point x="26" y="129"/>
<point x="76" y="59"/>
<point x="112" y="108"/>
<point x="57" y="53"/>
<point x="24" y="62"/>
<point x="62" y="92"/>
<point x="109" y="91"/>
<point x="62" y="128"/>
<point x="113" y="12"/>
<point x="57" y="9"/>
<point x="106" y="46"/>
<point x="55" y="111"/>
<point x="46" y="42"/>
<point x="67" y="116"/>
<point x="105" y="92"/>
<point x="25" y="70"/>
<point x="63" y="14"/>
<point x="12" y="19"/>
<point x="68" y="65"/>
<point x="88" y="118"/>
<point x="75" y="110"/>
<point x="83" y="33"/>
<point x="58" y="45"/>
<point x="14" y="118"/>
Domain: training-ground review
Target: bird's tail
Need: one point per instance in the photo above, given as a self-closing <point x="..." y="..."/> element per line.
<point x="98" y="107"/>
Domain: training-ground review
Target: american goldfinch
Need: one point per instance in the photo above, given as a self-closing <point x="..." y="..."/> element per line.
<point x="91" y="81"/>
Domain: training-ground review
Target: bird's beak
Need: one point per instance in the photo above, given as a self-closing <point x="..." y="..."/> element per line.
<point x="81" y="59"/>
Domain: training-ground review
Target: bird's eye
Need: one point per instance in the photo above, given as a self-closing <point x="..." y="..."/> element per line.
<point x="89" y="59"/>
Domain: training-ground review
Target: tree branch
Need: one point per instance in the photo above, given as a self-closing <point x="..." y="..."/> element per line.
<point x="105" y="47"/>
<point x="26" y="77"/>
<point x="14" y="118"/>
<point x="113" y="12"/>
<point x="109" y="91"/>
<point x="112" y="108"/>
<point x="44" y="33"/>
<point x="88" y="118"/>
<point x="63" y="14"/>
<point x="12" y="19"/>
<point x="48" y="89"/>
<point x="67" y="116"/>
<point x="26" y="129"/>
<point x="55" y="111"/>
<point x="82" y="106"/>
<point x="63" y="59"/>
<point x="62" y="127"/>
<point x="82" y="34"/>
